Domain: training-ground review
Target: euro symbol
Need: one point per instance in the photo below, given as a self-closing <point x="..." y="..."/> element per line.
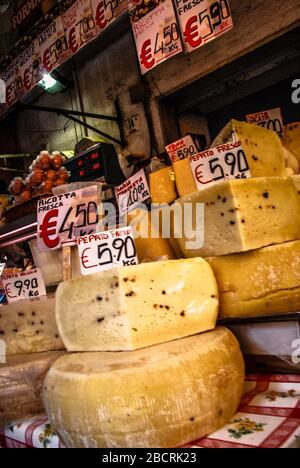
<point x="8" y="291"/>
<point x="48" y="228"/>
<point x="85" y="259"/>
<point x="146" y="56"/>
<point x="191" y="33"/>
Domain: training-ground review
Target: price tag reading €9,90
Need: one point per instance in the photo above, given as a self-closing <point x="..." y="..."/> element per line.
<point x="105" y="250"/>
<point x="215" y="165"/>
<point x="25" y="285"/>
<point x="132" y="192"/>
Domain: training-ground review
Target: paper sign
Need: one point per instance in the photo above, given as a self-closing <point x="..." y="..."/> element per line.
<point x="53" y="45"/>
<point x="155" y="31"/>
<point x="25" y="285"/>
<point x="203" y="21"/>
<point x="132" y="192"/>
<point x="270" y="119"/>
<point x="26" y="67"/>
<point x="79" y="25"/>
<point x="63" y="218"/>
<point x="105" y="250"/>
<point x="106" y="11"/>
<point x="181" y="149"/>
<point x="215" y="165"/>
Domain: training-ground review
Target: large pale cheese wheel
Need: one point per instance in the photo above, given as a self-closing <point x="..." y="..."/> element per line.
<point x="21" y="382"/>
<point x="163" y="396"/>
<point x="184" y="179"/>
<point x="162" y="186"/>
<point x="291" y="139"/>
<point x="240" y="215"/>
<point x="260" y="282"/>
<point x="30" y="326"/>
<point x="134" y="307"/>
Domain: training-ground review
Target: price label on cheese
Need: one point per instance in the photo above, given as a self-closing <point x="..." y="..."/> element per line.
<point x="25" y="285"/>
<point x="203" y="21"/>
<point x="106" y="250"/>
<point x="270" y="119"/>
<point x="181" y="149"/>
<point x="53" y="45"/>
<point x="79" y="25"/>
<point x="132" y="192"/>
<point x="215" y="165"/>
<point x="106" y="11"/>
<point x="155" y="31"/>
<point x="63" y="218"/>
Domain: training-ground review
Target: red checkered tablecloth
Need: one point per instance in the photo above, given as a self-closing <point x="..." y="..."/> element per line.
<point x="268" y="417"/>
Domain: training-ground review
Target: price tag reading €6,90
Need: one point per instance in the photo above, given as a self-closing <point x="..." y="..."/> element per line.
<point x="270" y="119"/>
<point x="63" y="218"/>
<point x="155" y="31"/>
<point x="98" y="252"/>
<point x="132" y="192"/>
<point x="215" y="165"/>
<point x="181" y="149"/>
<point x="25" y="285"/>
<point x="202" y="22"/>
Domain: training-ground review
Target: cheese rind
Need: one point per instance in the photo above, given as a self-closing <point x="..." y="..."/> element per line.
<point x="164" y="396"/>
<point x="21" y="382"/>
<point x="30" y="327"/>
<point x="184" y="179"/>
<point x="260" y="282"/>
<point x="241" y="215"/>
<point x="137" y="306"/>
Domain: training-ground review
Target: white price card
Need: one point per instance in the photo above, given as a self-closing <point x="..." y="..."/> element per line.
<point x="181" y="149"/>
<point x="53" y="45"/>
<point x="106" y="11"/>
<point x="79" y="24"/>
<point x="105" y="250"/>
<point x="217" y="164"/>
<point x="132" y="192"/>
<point x="63" y="218"/>
<point x="270" y="119"/>
<point x="155" y="30"/>
<point x="203" y="21"/>
<point x="26" y="285"/>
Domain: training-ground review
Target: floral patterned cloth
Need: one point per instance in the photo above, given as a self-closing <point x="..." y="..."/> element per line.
<point x="268" y="417"/>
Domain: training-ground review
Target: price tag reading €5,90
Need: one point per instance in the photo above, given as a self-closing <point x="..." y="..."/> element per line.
<point x="26" y="285"/>
<point x="155" y="31"/>
<point x="132" y="192"/>
<point x="106" y="250"/>
<point x="63" y="218"/>
<point x="203" y="21"/>
<point x="181" y="149"/>
<point x="215" y="165"/>
<point x="271" y="119"/>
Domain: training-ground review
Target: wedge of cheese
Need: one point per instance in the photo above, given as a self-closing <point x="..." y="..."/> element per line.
<point x="291" y="139"/>
<point x="163" y="396"/>
<point x="260" y="282"/>
<point x="291" y="161"/>
<point x="137" y="306"/>
<point x="262" y="147"/>
<point x="21" y="382"/>
<point x="162" y="186"/>
<point x="184" y="179"/>
<point x="239" y="215"/>
<point x="30" y="327"/>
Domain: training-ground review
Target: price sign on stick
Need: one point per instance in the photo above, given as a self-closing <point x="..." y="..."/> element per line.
<point x="218" y="164"/>
<point x="25" y="285"/>
<point x="271" y="119"/>
<point x="106" y="250"/>
<point x="181" y="149"/>
<point x="132" y="192"/>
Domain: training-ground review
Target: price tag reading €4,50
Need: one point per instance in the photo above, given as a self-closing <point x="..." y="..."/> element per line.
<point x="155" y="31"/>
<point x="132" y="192"/>
<point x="181" y="149"/>
<point x="202" y="22"/>
<point x="270" y="119"/>
<point x="218" y="164"/>
<point x="26" y="285"/>
<point x="63" y="218"/>
<point x="106" y="250"/>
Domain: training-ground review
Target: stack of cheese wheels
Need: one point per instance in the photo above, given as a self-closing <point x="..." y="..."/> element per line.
<point x="29" y="344"/>
<point x="144" y="376"/>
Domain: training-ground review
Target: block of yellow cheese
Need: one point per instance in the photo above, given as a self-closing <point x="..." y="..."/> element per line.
<point x="240" y="215"/>
<point x="163" y="396"/>
<point x="262" y="147"/>
<point x="261" y="282"/>
<point x="21" y="382"/>
<point x="134" y="307"/>
<point x="291" y="138"/>
<point x="162" y="186"/>
<point x="30" y="326"/>
<point x="184" y="179"/>
<point x="291" y="161"/>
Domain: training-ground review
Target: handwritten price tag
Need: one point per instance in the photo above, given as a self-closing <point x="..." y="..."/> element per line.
<point x="155" y="31"/>
<point x="63" y="218"/>
<point x="181" y="149"/>
<point x="202" y="22"/>
<point x="79" y="25"/>
<point x="106" y="11"/>
<point x="270" y="119"/>
<point x="218" y="164"/>
<point x="53" y="45"/>
<point x="132" y="192"/>
<point x="26" y="285"/>
<point x="106" y="250"/>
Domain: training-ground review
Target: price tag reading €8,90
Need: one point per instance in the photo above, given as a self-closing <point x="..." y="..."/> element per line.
<point x="26" y="285"/>
<point x="215" y="165"/>
<point x="132" y="192"/>
<point x="181" y="149"/>
<point x="98" y="252"/>
<point x="270" y="119"/>
<point x="202" y="22"/>
<point x="63" y="218"/>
